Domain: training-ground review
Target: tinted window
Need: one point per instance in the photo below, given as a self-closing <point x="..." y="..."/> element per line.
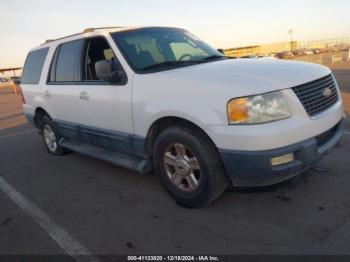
<point x="66" y="62"/>
<point x="34" y="66"/>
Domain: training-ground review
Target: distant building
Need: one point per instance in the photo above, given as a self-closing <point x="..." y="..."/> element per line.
<point x="243" y="51"/>
<point x="262" y="49"/>
<point x="267" y="49"/>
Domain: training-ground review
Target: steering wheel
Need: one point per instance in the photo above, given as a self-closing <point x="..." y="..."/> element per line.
<point x="184" y="56"/>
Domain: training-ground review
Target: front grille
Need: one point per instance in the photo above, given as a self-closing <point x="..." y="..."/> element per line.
<point x="312" y="95"/>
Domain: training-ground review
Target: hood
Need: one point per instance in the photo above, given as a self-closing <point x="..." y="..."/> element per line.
<point x="248" y="76"/>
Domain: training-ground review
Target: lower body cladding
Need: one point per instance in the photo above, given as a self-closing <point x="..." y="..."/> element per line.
<point x="262" y="168"/>
<point x="244" y="168"/>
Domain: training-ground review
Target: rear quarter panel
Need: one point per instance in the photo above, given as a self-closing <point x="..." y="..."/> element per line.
<point x="34" y="94"/>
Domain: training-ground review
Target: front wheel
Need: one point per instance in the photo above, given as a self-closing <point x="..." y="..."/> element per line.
<point x="189" y="166"/>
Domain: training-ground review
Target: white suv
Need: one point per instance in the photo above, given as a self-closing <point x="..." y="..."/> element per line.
<point x="161" y="98"/>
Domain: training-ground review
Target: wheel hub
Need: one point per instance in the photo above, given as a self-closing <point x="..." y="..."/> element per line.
<point x="182" y="167"/>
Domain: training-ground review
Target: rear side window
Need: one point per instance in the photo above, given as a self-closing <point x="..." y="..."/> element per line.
<point x="66" y="65"/>
<point x="34" y="66"/>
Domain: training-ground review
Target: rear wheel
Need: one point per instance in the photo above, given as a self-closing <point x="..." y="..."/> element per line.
<point x="51" y="137"/>
<point x="189" y="166"/>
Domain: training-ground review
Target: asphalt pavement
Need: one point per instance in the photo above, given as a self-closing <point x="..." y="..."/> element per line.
<point x="78" y="205"/>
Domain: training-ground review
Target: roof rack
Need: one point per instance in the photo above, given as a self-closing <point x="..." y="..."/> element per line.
<point x="87" y="30"/>
<point x="92" y="29"/>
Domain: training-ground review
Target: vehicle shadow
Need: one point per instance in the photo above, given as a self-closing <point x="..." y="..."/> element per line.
<point x="290" y="184"/>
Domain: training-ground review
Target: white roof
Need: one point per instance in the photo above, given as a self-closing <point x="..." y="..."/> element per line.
<point x="90" y="32"/>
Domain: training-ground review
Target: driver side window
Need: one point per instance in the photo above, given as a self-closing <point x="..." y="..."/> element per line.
<point x="97" y="49"/>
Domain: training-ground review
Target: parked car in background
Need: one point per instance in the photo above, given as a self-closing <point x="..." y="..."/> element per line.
<point x="161" y="99"/>
<point x="248" y="56"/>
<point x="309" y="52"/>
<point x="267" y="57"/>
<point x="4" y="82"/>
<point x="16" y="80"/>
<point x="298" y="52"/>
<point x="285" y="55"/>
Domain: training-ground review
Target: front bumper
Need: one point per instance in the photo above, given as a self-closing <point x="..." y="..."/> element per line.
<point x="249" y="168"/>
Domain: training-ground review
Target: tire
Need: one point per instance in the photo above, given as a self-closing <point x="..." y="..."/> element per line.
<point x="51" y="137"/>
<point x="189" y="166"/>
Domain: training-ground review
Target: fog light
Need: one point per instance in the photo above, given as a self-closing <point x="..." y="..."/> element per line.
<point x="280" y="160"/>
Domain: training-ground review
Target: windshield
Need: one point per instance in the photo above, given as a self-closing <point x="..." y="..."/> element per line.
<point x="163" y="48"/>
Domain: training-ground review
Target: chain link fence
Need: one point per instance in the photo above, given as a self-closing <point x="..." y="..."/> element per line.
<point x="330" y="58"/>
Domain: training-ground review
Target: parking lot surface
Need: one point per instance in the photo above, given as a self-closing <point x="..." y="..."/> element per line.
<point x="104" y="209"/>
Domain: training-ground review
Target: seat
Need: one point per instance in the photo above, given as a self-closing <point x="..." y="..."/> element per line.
<point x="144" y="59"/>
<point x="141" y="59"/>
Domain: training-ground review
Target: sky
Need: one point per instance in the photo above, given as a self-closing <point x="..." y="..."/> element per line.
<point x="221" y="23"/>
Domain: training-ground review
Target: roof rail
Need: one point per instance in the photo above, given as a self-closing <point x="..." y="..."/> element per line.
<point x="92" y="29"/>
<point x="52" y="40"/>
<point x="87" y="30"/>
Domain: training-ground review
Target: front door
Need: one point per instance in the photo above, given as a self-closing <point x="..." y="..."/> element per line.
<point x="106" y="118"/>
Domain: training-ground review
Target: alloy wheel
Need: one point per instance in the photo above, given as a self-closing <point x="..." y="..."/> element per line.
<point x="182" y="167"/>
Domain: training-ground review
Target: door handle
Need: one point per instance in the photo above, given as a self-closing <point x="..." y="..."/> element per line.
<point x="84" y="95"/>
<point x="47" y="93"/>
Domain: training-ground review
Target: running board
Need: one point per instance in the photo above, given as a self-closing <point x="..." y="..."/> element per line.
<point x="134" y="163"/>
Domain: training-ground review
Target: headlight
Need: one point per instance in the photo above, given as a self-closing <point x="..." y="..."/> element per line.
<point x="257" y="109"/>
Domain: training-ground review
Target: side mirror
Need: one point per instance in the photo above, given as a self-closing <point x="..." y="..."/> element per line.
<point x="104" y="72"/>
<point x="222" y="51"/>
<point x="118" y="77"/>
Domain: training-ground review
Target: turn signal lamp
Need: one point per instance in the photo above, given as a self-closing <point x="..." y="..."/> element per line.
<point x="237" y="110"/>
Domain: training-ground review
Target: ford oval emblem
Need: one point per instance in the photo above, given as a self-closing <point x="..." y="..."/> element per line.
<point x="327" y="92"/>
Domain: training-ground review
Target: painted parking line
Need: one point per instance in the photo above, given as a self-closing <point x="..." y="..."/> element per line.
<point x="70" y="245"/>
<point x="18" y="133"/>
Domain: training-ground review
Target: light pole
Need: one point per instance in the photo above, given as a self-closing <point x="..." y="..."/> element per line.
<point x="290" y="32"/>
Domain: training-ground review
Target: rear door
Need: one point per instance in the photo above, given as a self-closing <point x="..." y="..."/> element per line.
<point x="62" y="91"/>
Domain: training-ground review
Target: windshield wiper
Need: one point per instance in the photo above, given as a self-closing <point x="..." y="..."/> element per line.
<point x="169" y="63"/>
<point x="213" y="57"/>
<point x="182" y="63"/>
